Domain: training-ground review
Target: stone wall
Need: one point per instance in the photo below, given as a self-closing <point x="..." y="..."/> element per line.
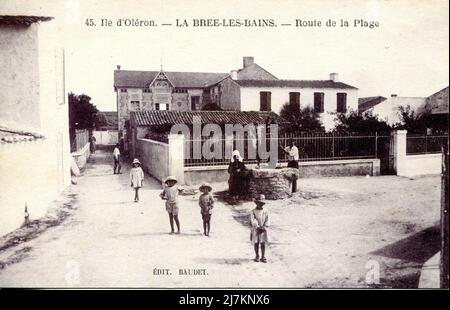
<point x="272" y="183"/>
<point x="312" y="169"/>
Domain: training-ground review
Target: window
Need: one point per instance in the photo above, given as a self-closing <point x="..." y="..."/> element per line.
<point x="180" y="90"/>
<point x="147" y="90"/>
<point x="161" y="106"/>
<point x="318" y="102"/>
<point x="265" y="101"/>
<point x="135" y="105"/>
<point x="123" y="90"/>
<point x="294" y="98"/>
<point x="195" y="101"/>
<point x="341" y="99"/>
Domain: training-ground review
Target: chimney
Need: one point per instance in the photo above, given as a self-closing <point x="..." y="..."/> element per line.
<point x="393" y="95"/>
<point x="233" y="74"/>
<point x="248" y="61"/>
<point x="334" y="77"/>
<point x="118" y="67"/>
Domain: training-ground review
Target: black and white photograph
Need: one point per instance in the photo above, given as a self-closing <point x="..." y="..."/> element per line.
<point x="209" y="144"/>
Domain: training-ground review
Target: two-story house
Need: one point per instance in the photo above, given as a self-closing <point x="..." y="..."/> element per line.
<point x="251" y="88"/>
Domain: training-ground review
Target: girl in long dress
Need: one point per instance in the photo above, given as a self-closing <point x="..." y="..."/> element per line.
<point x="136" y="178"/>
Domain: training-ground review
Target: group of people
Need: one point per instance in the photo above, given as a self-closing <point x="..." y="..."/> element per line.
<point x="236" y="167"/>
<point x="259" y="217"/>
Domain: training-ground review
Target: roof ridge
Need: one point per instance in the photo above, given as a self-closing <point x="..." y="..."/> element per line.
<point x="165" y="71"/>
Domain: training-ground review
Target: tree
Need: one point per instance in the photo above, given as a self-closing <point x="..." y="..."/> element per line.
<point x="298" y="119"/>
<point x="82" y="113"/>
<point x="360" y="122"/>
<point x="412" y="121"/>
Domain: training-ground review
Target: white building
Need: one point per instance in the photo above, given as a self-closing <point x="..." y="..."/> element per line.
<point x="34" y="130"/>
<point x="251" y="88"/>
<point x="388" y="109"/>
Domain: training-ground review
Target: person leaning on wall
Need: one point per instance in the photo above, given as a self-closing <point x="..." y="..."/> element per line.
<point x="293" y="157"/>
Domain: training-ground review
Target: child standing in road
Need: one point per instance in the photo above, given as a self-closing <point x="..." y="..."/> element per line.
<point x="136" y="178"/>
<point x="206" y="203"/>
<point x="116" y="154"/>
<point x="259" y="219"/>
<point x="170" y="194"/>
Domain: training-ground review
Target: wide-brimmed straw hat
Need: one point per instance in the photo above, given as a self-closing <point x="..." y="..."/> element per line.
<point x="170" y="178"/>
<point x="136" y="161"/>
<point x="260" y="200"/>
<point x="205" y="185"/>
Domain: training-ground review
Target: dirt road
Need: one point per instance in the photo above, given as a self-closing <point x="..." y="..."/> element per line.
<point x="330" y="234"/>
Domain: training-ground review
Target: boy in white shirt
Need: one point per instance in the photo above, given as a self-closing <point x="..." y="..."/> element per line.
<point x="116" y="154"/>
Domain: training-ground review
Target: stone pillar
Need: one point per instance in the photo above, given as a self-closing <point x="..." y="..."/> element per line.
<point x="399" y="153"/>
<point x="176" y="157"/>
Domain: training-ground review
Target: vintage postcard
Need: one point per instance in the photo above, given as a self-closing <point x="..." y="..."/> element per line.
<point x="224" y="144"/>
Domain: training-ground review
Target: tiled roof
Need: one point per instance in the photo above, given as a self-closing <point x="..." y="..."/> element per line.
<point x="160" y="118"/>
<point x="366" y="103"/>
<point x="141" y="79"/>
<point x="22" y="20"/>
<point x="437" y="103"/>
<point x="14" y="136"/>
<point x="294" y="83"/>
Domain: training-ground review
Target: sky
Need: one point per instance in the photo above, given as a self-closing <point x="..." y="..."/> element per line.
<point x="406" y="55"/>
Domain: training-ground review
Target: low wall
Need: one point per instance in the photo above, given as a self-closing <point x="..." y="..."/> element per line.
<point x="106" y="137"/>
<point x="154" y="156"/>
<point x="332" y="168"/>
<point x="82" y="156"/>
<point x="415" y="165"/>
<point x="339" y="168"/>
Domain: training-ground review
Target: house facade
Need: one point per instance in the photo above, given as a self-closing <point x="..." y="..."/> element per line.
<point x="435" y="105"/>
<point x="34" y="132"/>
<point x="251" y="88"/>
<point x="160" y="90"/>
<point x="326" y="97"/>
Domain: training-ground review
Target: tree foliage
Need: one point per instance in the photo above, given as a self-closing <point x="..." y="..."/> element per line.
<point x="82" y="113"/>
<point x="412" y="121"/>
<point x="300" y="119"/>
<point x="360" y="122"/>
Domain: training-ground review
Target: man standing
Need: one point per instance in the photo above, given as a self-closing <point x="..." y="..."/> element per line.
<point x="293" y="158"/>
<point x="116" y="154"/>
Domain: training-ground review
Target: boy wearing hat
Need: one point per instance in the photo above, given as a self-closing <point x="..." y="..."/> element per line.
<point x="259" y="219"/>
<point x="206" y="203"/>
<point x="136" y="178"/>
<point x="170" y="194"/>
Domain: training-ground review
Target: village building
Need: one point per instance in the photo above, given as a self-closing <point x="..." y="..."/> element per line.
<point x="251" y="88"/>
<point x="34" y="133"/>
<point x="437" y="107"/>
<point x="388" y="109"/>
<point x="367" y="103"/>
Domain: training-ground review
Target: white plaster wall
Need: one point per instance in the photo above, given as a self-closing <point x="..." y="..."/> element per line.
<point x="36" y="172"/>
<point x="388" y="110"/>
<point x="28" y="175"/>
<point x="250" y="100"/>
<point x="421" y="165"/>
<point x="154" y="156"/>
<point x="106" y="137"/>
<point x="19" y="78"/>
<point x="53" y="105"/>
